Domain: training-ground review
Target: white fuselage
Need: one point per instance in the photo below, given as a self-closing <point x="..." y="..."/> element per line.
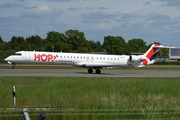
<point x="75" y="59"/>
<point x="91" y="61"/>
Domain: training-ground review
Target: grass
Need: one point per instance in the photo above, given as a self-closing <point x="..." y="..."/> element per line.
<point x="95" y="98"/>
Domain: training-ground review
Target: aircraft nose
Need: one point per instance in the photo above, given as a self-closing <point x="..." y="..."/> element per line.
<point x="6" y="59"/>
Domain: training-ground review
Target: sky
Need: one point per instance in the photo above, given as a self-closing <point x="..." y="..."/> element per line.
<point x="150" y="20"/>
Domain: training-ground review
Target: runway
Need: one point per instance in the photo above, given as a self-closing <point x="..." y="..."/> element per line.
<point x="83" y="73"/>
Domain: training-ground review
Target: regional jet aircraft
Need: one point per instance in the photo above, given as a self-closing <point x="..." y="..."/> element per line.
<point x="90" y="61"/>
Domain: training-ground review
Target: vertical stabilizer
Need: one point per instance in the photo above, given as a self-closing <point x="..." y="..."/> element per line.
<point x="149" y="56"/>
<point x="152" y="52"/>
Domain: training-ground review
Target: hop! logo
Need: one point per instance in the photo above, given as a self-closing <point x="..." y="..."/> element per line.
<point x="45" y="57"/>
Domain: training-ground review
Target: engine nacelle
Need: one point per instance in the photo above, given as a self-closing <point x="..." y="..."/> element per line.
<point x="134" y="58"/>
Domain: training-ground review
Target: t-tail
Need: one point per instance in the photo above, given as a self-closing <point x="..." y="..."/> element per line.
<point x="148" y="58"/>
<point x="151" y="54"/>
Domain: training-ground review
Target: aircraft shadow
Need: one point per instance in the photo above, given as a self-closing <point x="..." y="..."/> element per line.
<point x="85" y="73"/>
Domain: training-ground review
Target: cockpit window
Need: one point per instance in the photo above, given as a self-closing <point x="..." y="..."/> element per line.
<point x="17" y="54"/>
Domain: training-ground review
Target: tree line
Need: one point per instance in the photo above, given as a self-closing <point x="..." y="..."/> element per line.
<point x="74" y="41"/>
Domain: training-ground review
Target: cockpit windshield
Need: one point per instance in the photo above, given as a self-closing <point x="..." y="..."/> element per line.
<point x="17" y="54"/>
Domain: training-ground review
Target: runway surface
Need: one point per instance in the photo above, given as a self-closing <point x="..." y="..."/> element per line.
<point x="83" y="73"/>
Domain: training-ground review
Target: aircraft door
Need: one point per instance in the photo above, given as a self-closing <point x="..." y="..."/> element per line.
<point x="27" y="56"/>
<point x="87" y="59"/>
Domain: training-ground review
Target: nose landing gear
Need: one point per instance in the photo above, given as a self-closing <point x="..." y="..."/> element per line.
<point x="14" y="66"/>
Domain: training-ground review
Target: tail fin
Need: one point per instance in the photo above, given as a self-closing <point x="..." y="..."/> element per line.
<point x="148" y="57"/>
<point x="152" y="52"/>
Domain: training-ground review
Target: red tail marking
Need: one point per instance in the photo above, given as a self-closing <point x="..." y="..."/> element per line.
<point x="145" y="62"/>
<point x="152" y="51"/>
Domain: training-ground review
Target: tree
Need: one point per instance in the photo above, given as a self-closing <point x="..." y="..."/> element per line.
<point x="77" y="41"/>
<point x="34" y="42"/>
<point x="137" y="45"/>
<point x="164" y="53"/>
<point x="2" y="44"/>
<point x="2" y="48"/>
<point x="1" y="41"/>
<point x="96" y="46"/>
<point x="16" y="43"/>
<point x="25" y="45"/>
<point x="55" y="41"/>
<point x="114" y="45"/>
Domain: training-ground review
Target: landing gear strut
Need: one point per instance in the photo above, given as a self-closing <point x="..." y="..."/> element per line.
<point x="14" y="66"/>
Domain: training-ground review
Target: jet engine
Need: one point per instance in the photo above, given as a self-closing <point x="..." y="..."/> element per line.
<point x="134" y="58"/>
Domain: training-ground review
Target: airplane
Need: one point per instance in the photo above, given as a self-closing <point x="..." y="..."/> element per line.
<point x="90" y="61"/>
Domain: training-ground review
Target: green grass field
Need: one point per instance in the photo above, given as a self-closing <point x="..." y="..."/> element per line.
<point x="93" y="98"/>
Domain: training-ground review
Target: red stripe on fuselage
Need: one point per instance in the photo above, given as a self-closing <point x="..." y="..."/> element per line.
<point x="152" y="51"/>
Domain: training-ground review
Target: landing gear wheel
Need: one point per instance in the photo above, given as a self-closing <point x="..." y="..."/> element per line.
<point x="90" y="70"/>
<point x="98" y="71"/>
<point x="14" y="66"/>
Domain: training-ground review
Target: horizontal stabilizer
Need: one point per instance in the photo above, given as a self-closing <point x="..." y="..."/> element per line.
<point x="162" y="46"/>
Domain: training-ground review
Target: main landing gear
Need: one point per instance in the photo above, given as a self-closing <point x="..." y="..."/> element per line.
<point x="90" y="70"/>
<point x="14" y="66"/>
<point x="98" y="71"/>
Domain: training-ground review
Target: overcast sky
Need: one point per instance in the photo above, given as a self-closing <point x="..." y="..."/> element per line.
<point x="151" y="20"/>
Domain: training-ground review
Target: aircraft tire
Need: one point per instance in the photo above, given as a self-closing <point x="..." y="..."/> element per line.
<point x="90" y="70"/>
<point x="98" y="71"/>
